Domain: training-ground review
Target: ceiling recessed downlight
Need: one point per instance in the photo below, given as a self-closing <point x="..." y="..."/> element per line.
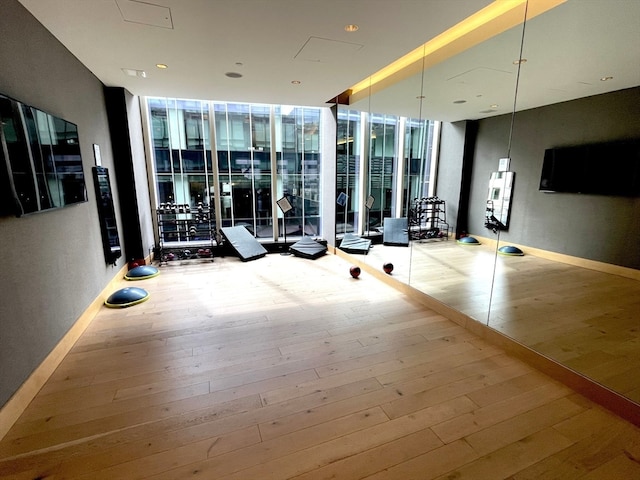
<point x="459" y="101"/>
<point x="520" y="61"/>
<point x="162" y="66"/>
<point x="606" y="79"/>
<point x="352" y="27"/>
<point x="494" y="106"/>
<point x="233" y="75"/>
<point x="296" y="82"/>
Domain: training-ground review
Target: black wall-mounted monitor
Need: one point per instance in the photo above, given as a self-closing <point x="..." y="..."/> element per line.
<point x="40" y="160"/>
<point x="611" y="168"/>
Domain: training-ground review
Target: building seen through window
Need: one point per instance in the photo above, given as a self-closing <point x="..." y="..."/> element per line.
<point x="236" y="160"/>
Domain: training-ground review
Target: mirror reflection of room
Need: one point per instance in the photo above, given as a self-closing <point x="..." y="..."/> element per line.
<point x="499" y="201"/>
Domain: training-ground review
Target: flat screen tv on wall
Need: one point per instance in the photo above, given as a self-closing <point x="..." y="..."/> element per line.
<point x="40" y="160"/>
<point x="611" y="168"/>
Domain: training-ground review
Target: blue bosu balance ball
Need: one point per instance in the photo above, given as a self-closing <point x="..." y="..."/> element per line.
<point x="126" y="297"/>
<point x="142" y="272"/>
<point x="510" y="250"/>
<point x="468" y="241"/>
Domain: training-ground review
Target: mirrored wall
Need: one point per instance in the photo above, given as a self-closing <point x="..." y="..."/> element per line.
<point x="568" y="285"/>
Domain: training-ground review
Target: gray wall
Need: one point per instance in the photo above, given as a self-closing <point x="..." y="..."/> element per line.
<point x="53" y="265"/>
<point x="595" y="227"/>
<point x="449" y="168"/>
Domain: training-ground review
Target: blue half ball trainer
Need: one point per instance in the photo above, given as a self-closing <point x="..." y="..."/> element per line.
<point x="142" y="272"/>
<point x="510" y="250"/>
<point x="468" y="241"/>
<point x="126" y="297"/>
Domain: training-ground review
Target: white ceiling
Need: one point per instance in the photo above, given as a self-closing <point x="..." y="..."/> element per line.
<point x="273" y="42"/>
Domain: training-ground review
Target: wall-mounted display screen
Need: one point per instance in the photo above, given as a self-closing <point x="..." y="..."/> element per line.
<point x="40" y="160"/>
<point x="611" y="168"/>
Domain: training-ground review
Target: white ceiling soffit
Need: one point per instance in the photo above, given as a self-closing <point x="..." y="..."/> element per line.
<point x="569" y="49"/>
<point x="274" y="42"/>
<point x="145" y="13"/>
<point x="259" y="39"/>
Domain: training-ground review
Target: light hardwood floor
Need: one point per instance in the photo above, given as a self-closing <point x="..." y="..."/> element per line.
<point x="285" y="368"/>
<point x="585" y="319"/>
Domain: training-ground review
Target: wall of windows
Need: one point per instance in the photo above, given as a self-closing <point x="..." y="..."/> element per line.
<point x="261" y="153"/>
<point x="384" y="158"/>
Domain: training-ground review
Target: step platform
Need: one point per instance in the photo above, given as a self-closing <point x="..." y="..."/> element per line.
<point x="244" y="244"/>
<point x="352" y="243"/>
<point x="395" y="232"/>
<point x="307" y="247"/>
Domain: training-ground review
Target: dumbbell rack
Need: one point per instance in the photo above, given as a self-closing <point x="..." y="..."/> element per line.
<point x="428" y="219"/>
<point x="184" y="233"/>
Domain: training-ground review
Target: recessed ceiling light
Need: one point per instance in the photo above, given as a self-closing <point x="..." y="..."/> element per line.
<point x="239" y="64"/>
<point x="459" y="101"/>
<point x="606" y="79"/>
<point x="351" y="27"/>
<point x="520" y="61"/>
<point x="233" y="75"/>
<point x="494" y="106"/>
<point x="420" y="97"/>
<point x="162" y="66"/>
<point x="296" y="82"/>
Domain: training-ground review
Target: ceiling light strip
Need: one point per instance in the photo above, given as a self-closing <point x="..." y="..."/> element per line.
<point x="486" y="23"/>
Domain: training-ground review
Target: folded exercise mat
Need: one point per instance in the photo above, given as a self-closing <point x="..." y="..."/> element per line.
<point x="245" y="245"/>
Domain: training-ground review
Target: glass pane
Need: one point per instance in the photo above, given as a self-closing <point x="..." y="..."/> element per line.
<point x="18" y="155"/>
<point x="347" y="174"/>
<point x="381" y="167"/>
<point x="42" y="161"/>
<point x="264" y="217"/>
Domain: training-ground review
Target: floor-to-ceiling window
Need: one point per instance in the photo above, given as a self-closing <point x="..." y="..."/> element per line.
<point x="299" y="168"/>
<point x="382" y="159"/>
<point x="241" y="168"/>
<point x="419" y="143"/>
<point x="243" y="148"/>
<point x="396" y="155"/>
<point x="348" y="154"/>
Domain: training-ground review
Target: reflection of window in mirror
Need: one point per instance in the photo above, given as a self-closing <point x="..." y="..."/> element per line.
<point x="499" y="200"/>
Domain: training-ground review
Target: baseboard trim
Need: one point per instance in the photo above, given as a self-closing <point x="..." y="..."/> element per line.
<point x="568" y="259"/>
<point x="16" y="405"/>
<point x="607" y="398"/>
